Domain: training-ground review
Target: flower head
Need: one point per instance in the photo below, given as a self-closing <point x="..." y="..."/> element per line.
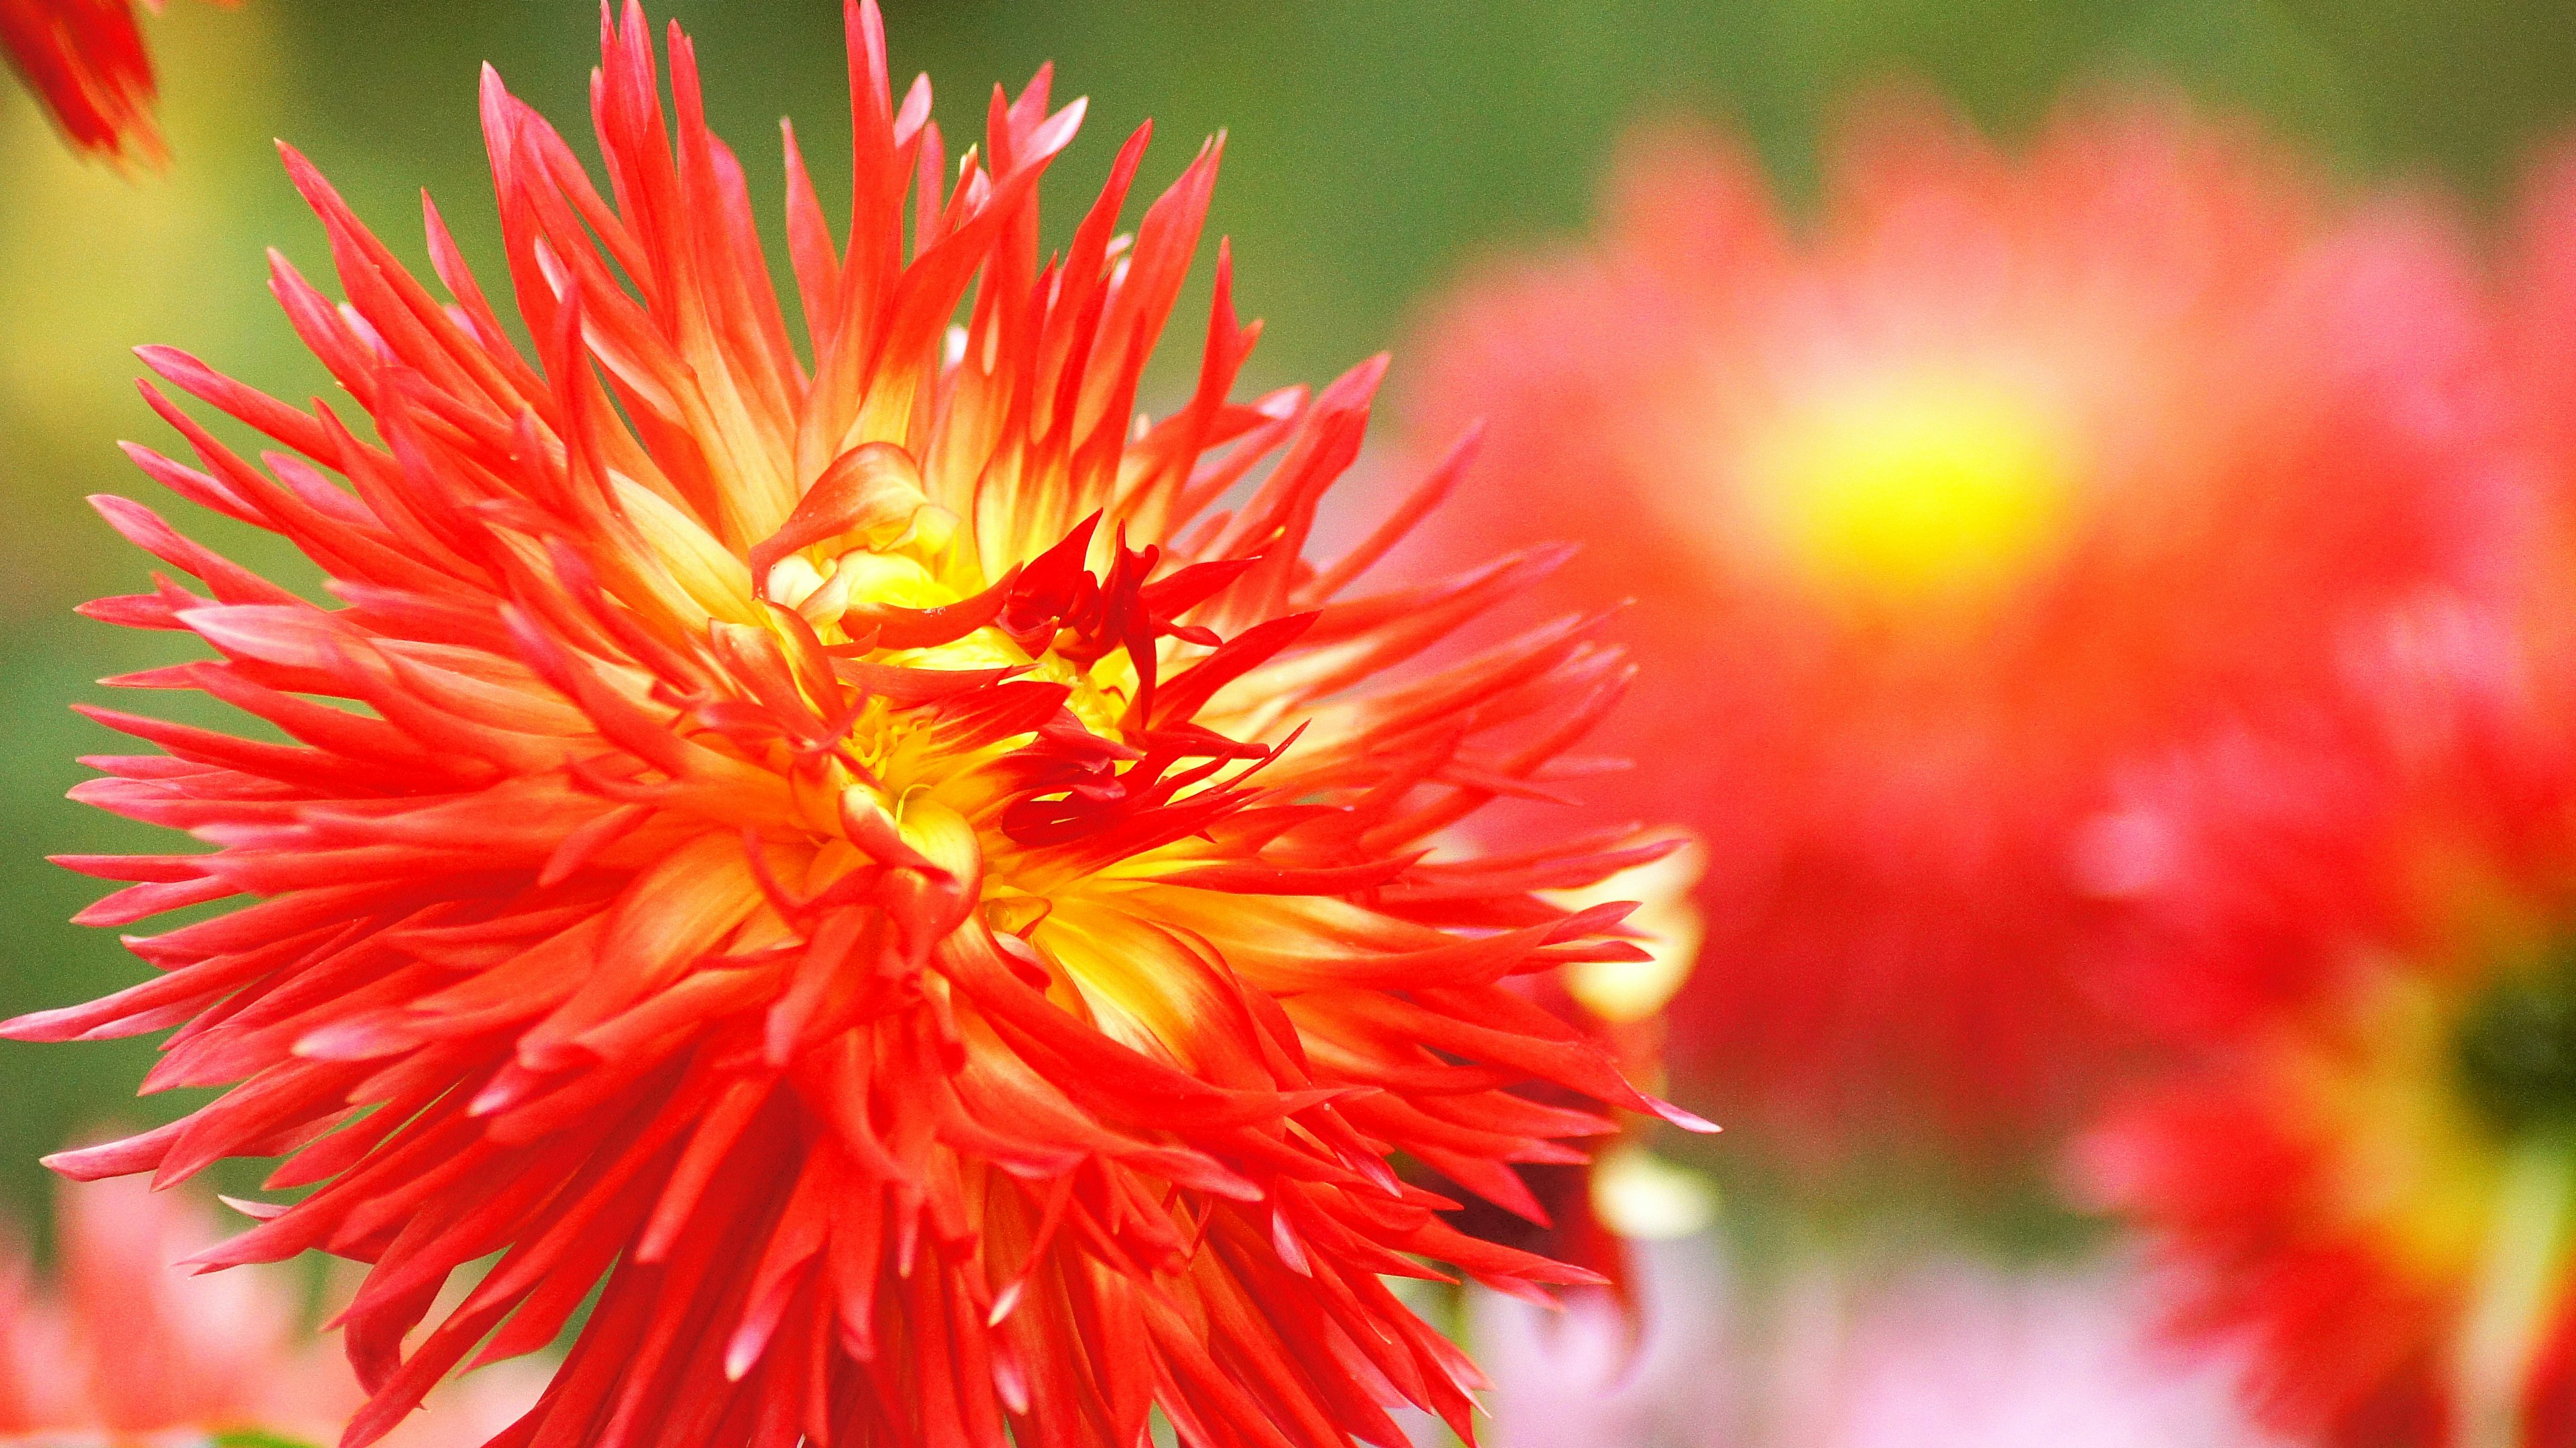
<point x="86" y="62"/>
<point x="128" y="1348"/>
<point x="2371" y="1183"/>
<point x="883" y="863"/>
<point x="2010" y="469"/>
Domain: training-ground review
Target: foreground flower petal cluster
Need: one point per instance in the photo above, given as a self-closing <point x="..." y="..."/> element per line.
<point x="127" y="1348"/>
<point x="2013" y="468"/>
<point x="880" y="862"/>
<point x="86" y="63"/>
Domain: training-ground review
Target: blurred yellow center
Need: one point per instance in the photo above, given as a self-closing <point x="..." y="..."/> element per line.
<point x="1929" y="488"/>
<point x="2411" y="1163"/>
<point x="2446" y="1100"/>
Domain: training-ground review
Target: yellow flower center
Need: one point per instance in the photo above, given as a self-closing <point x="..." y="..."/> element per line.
<point x="905" y="562"/>
<point x="2448" y="1114"/>
<point x="1925" y="488"/>
<point x="2414" y="1163"/>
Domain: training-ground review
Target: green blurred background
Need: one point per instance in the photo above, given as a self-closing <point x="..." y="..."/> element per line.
<point x="1375" y="146"/>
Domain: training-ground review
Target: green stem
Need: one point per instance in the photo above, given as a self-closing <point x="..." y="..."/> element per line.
<point x="2518" y="1293"/>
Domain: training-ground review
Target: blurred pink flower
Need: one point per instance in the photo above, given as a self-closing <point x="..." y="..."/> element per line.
<point x="1955" y="1354"/>
<point x="1595" y="1376"/>
<point x="124" y="1347"/>
<point x="1941" y="1354"/>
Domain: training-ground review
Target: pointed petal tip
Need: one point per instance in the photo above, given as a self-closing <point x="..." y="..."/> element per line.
<point x="99" y="1162"/>
<point x="1687" y="1120"/>
<point x="256" y="1210"/>
<point x="742" y="1354"/>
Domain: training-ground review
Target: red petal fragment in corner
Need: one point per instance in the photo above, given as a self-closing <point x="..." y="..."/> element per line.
<point x="86" y="62"/>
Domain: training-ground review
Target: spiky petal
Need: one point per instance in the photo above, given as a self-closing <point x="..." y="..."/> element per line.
<point x="1594" y="1213"/>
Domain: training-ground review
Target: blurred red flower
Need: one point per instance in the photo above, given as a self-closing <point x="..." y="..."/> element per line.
<point x="2371" y="1183"/>
<point x="128" y="1347"/>
<point x="2009" y="470"/>
<point x="859" y="860"/>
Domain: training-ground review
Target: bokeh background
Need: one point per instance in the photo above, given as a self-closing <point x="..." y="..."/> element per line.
<point x="1375" y="149"/>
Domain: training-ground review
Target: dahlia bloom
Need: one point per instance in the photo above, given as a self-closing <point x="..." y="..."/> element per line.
<point x="884" y="864"/>
<point x="86" y="63"/>
<point x="2009" y="469"/>
<point x="2371" y="1184"/>
<point x="1933" y="1353"/>
<point x="127" y="1349"/>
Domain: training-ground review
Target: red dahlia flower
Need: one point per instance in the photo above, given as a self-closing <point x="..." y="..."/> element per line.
<point x="86" y="62"/>
<point x="2373" y="1183"/>
<point x="888" y="866"/>
<point x="2010" y="469"/>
